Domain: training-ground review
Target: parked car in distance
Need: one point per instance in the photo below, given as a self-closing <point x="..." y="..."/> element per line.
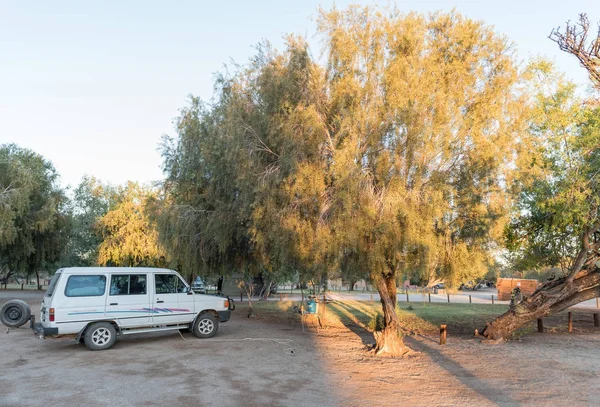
<point x="94" y="305"/>
<point x="198" y="286"/>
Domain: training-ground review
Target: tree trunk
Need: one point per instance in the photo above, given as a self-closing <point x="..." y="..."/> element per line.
<point x="552" y="297"/>
<point x="389" y="340"/>
<point x="265" y="291"/>
<point x="37" y="276"/>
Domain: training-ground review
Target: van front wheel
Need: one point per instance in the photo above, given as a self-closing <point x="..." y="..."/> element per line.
<point x="100" y="336"/>
<point x="206" y="326"/>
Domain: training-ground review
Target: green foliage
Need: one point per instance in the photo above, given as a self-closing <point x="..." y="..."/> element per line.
<point x="236" y="175"/>
<point x="32" y="220"/>
<point x="559" y="195"/>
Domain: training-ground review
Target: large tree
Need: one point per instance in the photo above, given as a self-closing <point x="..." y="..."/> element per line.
<point x="425" y="117"/>
<point x="32" y="219"/>
<point x="392" y="157"/>
<point x="231" y="173"/>
<point x="560" y="223"/>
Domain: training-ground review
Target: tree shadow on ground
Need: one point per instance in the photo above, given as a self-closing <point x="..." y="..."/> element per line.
<point x="462" y="374"/>
<point x="354" y="319"/>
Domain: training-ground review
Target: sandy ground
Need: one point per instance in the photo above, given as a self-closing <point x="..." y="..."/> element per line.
<point x="553" y="369"/>
<point x="254" y="362"/>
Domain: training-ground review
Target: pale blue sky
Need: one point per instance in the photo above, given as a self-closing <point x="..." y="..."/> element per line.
<point x="93" y="85"/>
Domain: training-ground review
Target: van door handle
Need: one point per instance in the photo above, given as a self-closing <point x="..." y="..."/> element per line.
<point x="159" y="301"/>
<point x="114" y="303"/>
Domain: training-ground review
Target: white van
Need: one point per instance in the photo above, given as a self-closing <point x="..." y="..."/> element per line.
<point x="95" y="304"/>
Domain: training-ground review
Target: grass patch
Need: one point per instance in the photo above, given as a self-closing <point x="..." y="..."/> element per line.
<point x="422" y="318"/>
<point x="460" y="318"/>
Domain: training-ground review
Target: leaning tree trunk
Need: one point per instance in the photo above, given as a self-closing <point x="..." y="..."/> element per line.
<point x="581" y="284"/>
<point x="389" y="340"/>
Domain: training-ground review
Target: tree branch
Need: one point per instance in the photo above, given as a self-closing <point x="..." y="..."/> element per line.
<point x="574" y="40"/>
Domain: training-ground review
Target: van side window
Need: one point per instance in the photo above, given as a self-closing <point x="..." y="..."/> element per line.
<point x="166" y="283"/>
<point x="128" y="284"/>
<point x="85" y="286"/>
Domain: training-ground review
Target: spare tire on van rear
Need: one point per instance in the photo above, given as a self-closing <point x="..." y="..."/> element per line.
<point x="15" y="313"/>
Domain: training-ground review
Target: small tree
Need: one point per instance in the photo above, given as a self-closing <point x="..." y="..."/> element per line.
<point x="91" y="201"/>
<point x="128" y="236"/>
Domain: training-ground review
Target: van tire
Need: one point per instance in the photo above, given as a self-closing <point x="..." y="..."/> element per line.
<point x="100" y="336"/>
<point x="206" y="326"/>
<point x="15" y="313"/>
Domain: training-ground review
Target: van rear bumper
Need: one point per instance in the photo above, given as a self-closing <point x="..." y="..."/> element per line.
<point x="42" y="331"/>
<point x="224" y="315"/>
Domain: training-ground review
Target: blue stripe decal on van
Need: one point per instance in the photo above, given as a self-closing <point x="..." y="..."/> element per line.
<point x="143" y="310"/>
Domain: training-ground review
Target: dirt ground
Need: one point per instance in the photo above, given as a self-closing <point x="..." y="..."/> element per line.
<point x="255" y="362"/>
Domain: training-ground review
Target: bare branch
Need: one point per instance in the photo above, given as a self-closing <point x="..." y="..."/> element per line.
<point x="574" y="40"/>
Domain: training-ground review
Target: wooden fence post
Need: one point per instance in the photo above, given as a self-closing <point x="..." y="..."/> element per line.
<point x="469" y="298"/>
<point x="448" y="295"/>
<point x="429" y="294"/>
<point x="241" y="297"/>
<point x="570" y="322"/>
<point x="596" y="320"/>
<point x="407" y="296"/>
<point x="371" y="297"/>
<point x="492" y="299"/>
<point x="540" y="325"/>
<point x="442" y="334"/>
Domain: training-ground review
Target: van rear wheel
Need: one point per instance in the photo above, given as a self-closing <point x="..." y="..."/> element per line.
<point x="15" y="313"/>
<point x="100" y="336"/>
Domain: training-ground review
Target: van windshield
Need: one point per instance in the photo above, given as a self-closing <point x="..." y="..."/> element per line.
<point x="52" y="285"/>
